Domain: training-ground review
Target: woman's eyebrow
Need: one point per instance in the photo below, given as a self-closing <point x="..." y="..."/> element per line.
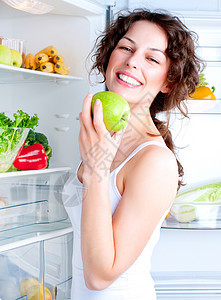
<point x="156" y="49"/>
<point x="129" y="39"/>
<point x="152" y="49"/>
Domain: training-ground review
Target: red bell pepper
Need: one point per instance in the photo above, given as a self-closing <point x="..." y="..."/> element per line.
<point x="31" y="158"/>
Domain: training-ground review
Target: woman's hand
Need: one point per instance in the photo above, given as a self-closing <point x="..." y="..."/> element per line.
<point x="97" y="146"/>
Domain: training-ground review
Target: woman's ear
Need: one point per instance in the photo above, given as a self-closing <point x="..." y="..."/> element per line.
<point x="165" y="89"/>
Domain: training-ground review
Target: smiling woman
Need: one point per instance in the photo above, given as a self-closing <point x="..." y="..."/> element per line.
<point x="138" y="65"/>
<point x="129" y="178"/>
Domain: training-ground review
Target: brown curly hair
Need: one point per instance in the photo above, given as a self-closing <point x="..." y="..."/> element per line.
<point x="185" y="66"/>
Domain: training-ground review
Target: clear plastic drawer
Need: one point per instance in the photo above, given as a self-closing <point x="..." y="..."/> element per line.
<point x="37" y="271"/>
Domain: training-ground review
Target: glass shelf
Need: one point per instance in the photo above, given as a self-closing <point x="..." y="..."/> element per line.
<point x="200" y="106"/>
<point x="9" y="74"/>
<point x="34" y="172"/>
<point x="17" y="237"/>
<point x="172" y="223"/>
<point x="35" y="197"/>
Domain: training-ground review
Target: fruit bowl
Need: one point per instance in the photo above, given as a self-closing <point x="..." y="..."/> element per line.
<point x="11" y="141"/>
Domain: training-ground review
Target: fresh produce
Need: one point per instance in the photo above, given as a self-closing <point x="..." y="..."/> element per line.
<point x="26" y="284"/>
<point x="41" y="58"/>
<point x="16" y="58"/>
<point x="5" y="55"/>
<point x="184" y="213"/>
<point x="12" y="136"/>
<point x="116" y="110"/>
<point x="47" y="67"/>
<point x="202" y="90"/>
<point x="50" y="51"/>
<point x="185" y="207"/>
<point x="9" y="139"/>
<point x="39" y="138"/>
<point x="47" y="60"/>
<point x="61" y="68"/>
<point x="34" y="290"/>
<point x="207" y="194"/>
<point x="30" y="62"/>
<point x="31" y="158"/>
<point x="21" y="119"/>
<point x="57" y="58"/>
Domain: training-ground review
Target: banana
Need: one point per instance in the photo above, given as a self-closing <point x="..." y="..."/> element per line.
<point x="50" y="51"/>
<point x="41" y="58"/>
<point x="58" y="58"/>
<point x="47" y="67"/>
<point x="30" y="61"/>
<point x="61" y="68"/>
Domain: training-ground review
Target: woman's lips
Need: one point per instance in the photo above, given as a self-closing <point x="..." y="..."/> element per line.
<point x="127" y="79"/>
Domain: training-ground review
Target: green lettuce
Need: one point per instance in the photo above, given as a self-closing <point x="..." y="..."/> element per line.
<point x="207" y="193"/>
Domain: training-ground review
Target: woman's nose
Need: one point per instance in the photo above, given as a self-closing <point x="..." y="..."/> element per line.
<point x="133" y="61"/>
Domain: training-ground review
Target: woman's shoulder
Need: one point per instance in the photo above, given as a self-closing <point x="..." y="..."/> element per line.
<point x="155" y="160"/>
<point x="152" y="178"/>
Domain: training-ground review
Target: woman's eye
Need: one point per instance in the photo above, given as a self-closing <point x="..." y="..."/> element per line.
<point x="153" y="60"/>
<point x="126" y="48"/>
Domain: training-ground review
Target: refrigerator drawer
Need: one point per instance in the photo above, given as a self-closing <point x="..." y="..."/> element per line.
<point x="37" y="269"/>
<point x="188" y="294"/>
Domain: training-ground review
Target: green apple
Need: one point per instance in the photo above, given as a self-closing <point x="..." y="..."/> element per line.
<point x="116" y="110"/>
<point x="5" y="55"/>
<point x="16" y="58"/>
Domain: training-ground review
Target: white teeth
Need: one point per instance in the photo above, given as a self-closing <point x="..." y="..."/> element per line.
<point x="129" y="80"/>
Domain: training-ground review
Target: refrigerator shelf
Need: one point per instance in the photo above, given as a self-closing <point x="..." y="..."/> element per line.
<point x="200" y="106"/>
<point x="172" y="223"/>
<point x="82" y="8"/>
<point x="17" y="237"/>
<point x="34" y="198"/>
<point x="9" y="74"/>
<point x="34" y="172"/>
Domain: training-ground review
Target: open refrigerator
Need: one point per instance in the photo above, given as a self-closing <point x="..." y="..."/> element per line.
<point x="35" y="233"/>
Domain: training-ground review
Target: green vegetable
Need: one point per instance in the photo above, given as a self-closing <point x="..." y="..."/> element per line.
<point x="202" y="80"/>
<point x="12" y="135"/>
<point x="184" y="213"/>
<point x="186" y="207"/>
<point x="5" y="121"/>
<point x="21" y="120"/>
<point x="207" y="193"/>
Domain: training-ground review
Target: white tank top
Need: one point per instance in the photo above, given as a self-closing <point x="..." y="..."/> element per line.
<point x="136" y="283"/>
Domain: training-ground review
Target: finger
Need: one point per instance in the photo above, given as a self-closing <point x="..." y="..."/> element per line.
<point x="117" y="136"/>
<point x="98" y="118"/>
<point x="81" y="121"/>
<point x="82" y="127"/>
<point x="86" y="112"/>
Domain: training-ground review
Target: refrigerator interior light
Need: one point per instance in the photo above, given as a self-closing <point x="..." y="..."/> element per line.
<point x="31" y="6"/>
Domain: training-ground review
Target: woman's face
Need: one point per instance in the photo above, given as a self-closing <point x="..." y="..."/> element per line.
<point x="138" y="66"/>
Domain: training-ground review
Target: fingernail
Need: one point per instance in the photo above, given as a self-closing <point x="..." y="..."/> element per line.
<point x="97" y="102"/>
